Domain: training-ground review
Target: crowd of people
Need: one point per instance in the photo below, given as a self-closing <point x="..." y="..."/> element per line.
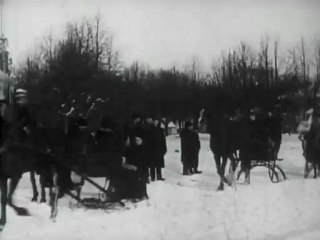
<point x="94" y="144"/>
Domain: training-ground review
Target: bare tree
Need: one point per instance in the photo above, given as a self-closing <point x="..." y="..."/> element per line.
<point x="244" y="58"/>
<point x="317" y="59"/>
<point x="265" y="58"/>
<point x="216" y="74"/>
<point x="303" y="61"/>
<point x="292" y="63"/>
<point x="275" y="54"/>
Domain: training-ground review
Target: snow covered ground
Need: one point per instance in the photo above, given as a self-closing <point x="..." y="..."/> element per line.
<point x="188" y="207"/>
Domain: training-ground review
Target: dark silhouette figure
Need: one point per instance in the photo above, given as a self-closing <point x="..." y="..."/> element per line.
<point x="190" y="146"/>
<point x="160" y="149"/>
<point x="135" y="174"/>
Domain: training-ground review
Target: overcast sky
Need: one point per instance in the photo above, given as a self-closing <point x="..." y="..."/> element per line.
<point x="164" y="33"/>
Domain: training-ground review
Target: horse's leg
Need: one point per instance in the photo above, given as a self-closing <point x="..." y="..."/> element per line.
<point x="34" y="186"/>
<point x="247" y="176"/>
<point x="223" y="169"/>
<point x="43" y="190"/>
<point x="13" y="185"/>
<point x="247" y="171"/>
<point x="306" y="169"/>
<point x="241" y="169"/>
<point x="234" y="162"/>
<point x="4" y="193"/>
<point x="239" y="174"/>
<point x="78" y="191"/>
<point x="245" y="168"/>
<point x="218" y="166"/>
<point x="314" y="165"/>
<point x="221" y="185"/>
<point x="232" y="168"/>
<point x="54" y="193"/>
<point x="218" y="163"/>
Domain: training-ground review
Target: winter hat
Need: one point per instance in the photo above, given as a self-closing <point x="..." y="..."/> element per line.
<point x="187" y="124"/>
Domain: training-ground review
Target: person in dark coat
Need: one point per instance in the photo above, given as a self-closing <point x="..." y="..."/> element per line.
<point x="273" y="124"/>
<point x="135" y="183"/>
<point x="133" y="128"/>
<point x="108" y="137"/>
<point x="160" y="150"/>
<point x="109" y="151"/>
<point x="258" y="135"/>
<point x="80" y="142"/>
<point x="135" y="175"/>
<point x="190" y="147"/>
<point x="136" y="129"/>
<point x="149" y="145"/>
<point x="80" y="139"/>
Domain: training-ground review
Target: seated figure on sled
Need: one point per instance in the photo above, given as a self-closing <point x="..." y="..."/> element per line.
<point x="99" y="154"/>
<point x="121" y="163"/>
<point x="264" y="135"/>
<point x="135" y="162"/>
<point x="262" y="141"/>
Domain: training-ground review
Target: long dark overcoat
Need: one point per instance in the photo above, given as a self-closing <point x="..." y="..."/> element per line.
<point x="190" y="146"/>
<point x="160" y="147"/>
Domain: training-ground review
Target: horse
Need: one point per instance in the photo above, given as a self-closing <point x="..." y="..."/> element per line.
<point x="21" y="153"/>
<point x="226" y="137"/>
<point x="234" y="136"/>
<point x="55" y="141"/>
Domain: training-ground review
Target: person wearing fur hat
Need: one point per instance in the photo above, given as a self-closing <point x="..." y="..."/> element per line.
<point x="135" y="182"/>
<point x="190" y="147"/>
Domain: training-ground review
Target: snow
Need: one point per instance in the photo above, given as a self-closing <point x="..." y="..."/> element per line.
<point x="188" y="207"/>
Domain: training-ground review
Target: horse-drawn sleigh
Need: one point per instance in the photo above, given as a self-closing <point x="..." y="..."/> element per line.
<point x="249" y="137"/>
<point x="28" y="145"/>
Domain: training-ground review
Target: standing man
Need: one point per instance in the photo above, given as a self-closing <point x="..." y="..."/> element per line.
<point x="149" y="154"/>
<point x="160" y="149"/>
<point x="190" y="147"/>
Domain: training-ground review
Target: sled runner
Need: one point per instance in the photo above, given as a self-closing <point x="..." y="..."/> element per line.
<point x="93" y="166"/>
<point x="262" y="154"/>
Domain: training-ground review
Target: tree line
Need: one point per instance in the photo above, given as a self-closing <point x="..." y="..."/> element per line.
<point x="85" y="61"/>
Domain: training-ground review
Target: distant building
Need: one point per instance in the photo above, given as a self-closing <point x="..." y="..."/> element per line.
<point x="172" y="129"/>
